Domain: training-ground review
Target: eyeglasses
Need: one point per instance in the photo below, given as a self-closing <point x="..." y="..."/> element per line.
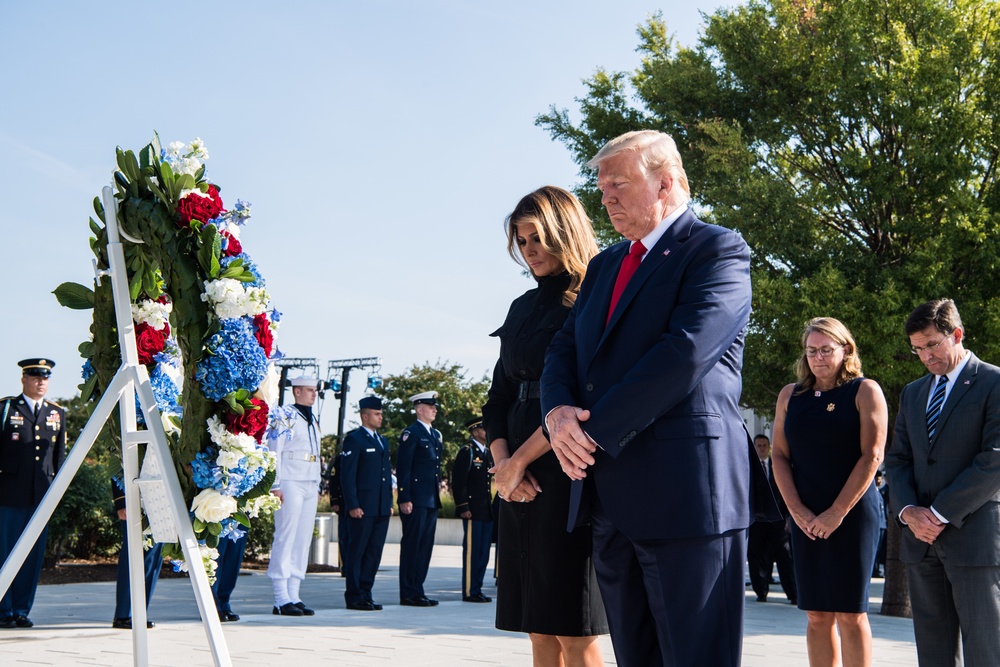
<point x="821" y="351"/>
<point x="929" y="348"/>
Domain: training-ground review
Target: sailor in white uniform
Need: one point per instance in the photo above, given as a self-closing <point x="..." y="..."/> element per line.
<point x="297" y="486"/>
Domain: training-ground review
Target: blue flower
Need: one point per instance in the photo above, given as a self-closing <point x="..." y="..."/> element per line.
<point x="232" y="529"/>
<point x="164" y="391"/>
<point x="234" y="360"/>
<point x="206" y="472"/>
<point x="88" y="370"/>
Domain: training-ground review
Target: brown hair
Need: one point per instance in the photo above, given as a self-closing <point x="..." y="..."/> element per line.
<point x="835" y="329"/>
<point x="563" y="228"/>
<point x="942" y="314"/>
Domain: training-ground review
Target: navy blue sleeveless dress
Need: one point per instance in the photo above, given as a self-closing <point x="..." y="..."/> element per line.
<point x="823" y="430"/>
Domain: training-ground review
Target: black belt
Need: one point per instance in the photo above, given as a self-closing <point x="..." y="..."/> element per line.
<point x="529" y="389"/>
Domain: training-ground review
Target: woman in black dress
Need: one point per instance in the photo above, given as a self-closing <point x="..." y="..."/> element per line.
<point x="546" y="584"/>
<point x="829" y="437"/>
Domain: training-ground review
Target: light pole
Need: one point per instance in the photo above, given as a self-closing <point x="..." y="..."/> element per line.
<point x="345" y="366"/>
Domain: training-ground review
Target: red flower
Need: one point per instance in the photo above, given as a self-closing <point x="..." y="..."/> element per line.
<point x="150" y="341"/>
<point x="233" y="246"/>
<point x="263" y="333"/>
<point x="199" y="207"/>
<point x="252" y="422"/>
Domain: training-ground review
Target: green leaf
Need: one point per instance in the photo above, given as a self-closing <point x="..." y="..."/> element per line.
<point x="199" y="525"/>
<point x="242" y="519"/>
<point x="86" y="349"/>
<point x="99" y="209"/>
<point x="186" y="182"/>
<point x="87" y="388"/>
<point x="75" y="296"/>
<point x="211" y="540"/>
<point x="134" y="286"/>
<point x="167" y="174"/>
<point x="215" y="529"/>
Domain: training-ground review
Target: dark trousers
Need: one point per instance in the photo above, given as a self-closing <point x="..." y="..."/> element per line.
<point x="475" y="555"/>
<point x="152" y="560"/>
<point x="343" y="540"/>
<point x="675" y="603"/>
<point x="768" y="544"/>
<point x="950" y="602"/>
<point x="20" y="596"/>
<point x="415" y="550"/>
<point x="230" y="559"/>
<point x="366" y="537"/>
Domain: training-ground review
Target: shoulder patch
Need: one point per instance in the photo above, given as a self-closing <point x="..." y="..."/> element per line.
<point x="406" y="434"/>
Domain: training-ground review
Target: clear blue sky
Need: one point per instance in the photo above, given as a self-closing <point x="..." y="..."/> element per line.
<point x="381" y="144"/>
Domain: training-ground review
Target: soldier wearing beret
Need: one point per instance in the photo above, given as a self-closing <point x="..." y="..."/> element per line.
<point x="32" y="447"/>
<point x="418" y="482"/>
<point x="366" y="490"/>
<point x="470" y="484"/>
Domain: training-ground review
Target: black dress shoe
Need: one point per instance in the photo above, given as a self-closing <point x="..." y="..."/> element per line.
<point x="416" y="602"/>
<point x="124" y="624"/>
<point x="429" y="601"/>
<point x="376" y="606"/>
<point x="22" y="621"/>
<point x="362" y="606"/>
<point x="306" y="611"/>
<point x="478" y="597"/>
<point x="287" y="609"/>
<point x="761" y="599"/>
<point x="228" y="616"/>
<point x="8" y="622"/>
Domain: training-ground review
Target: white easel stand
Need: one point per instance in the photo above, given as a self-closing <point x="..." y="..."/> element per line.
<point x="161" y="491"/>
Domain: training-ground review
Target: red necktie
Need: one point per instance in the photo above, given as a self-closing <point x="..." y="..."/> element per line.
<point x="628" y="267"/>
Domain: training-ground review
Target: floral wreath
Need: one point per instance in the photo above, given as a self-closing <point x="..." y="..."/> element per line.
<point x="204" y="331"/>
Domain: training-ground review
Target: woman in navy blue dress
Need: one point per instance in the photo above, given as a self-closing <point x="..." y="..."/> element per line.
<point x="829" y="437"/>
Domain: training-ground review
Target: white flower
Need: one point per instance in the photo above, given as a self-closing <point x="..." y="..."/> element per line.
<point x="233" y="229"/>
<point x="229" y="459"/>
<point x="230" y="299"/>
<point x="197" y="149"/>
<point x="153" y="313"/>
<point x="212" y="507"/>
<point x="261" y="505"/>
<point x="268" y="389"/>
<point x="209" y="556"/>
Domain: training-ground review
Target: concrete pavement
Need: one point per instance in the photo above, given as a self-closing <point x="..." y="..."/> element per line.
<point x="73" y="627"/>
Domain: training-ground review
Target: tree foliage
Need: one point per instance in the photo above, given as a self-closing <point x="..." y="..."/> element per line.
<point x="459" y="400"/>
<point x="853" y="143"/>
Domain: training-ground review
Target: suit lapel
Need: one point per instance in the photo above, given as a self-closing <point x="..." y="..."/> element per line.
<point x="678" y="231"/>
<point x="962" y="386"/>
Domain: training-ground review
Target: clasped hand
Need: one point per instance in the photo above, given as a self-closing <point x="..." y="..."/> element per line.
<point x="923" y="523"/>
<point x="573" y="447"/>
<point x="514" y="482"/>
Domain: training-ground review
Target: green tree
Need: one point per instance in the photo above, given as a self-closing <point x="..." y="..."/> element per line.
<point x="852" y="143"/>
<point x="459" y="400"/>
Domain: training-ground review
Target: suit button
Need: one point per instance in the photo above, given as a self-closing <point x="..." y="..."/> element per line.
<point x="37" y="448"/>
<point x="37" y="458"/>
<point x="590" y="387"/>
<point x="37" y="427"/>
<point x="38" y="437"/>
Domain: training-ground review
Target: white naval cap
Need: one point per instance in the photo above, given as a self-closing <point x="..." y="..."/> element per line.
<point x="426" y="398"/>
<point x="304" y="381"/>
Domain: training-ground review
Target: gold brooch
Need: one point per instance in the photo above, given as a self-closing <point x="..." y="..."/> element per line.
<point x="830" y="407"/>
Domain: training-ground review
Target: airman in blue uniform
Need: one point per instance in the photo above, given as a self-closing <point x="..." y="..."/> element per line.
<point x="366" y="490"/>
<point x="32" y="447"/>
<point x="418" y="482"/>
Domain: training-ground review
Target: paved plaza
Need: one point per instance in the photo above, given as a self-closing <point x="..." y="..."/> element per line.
<point x="73" y="627"/>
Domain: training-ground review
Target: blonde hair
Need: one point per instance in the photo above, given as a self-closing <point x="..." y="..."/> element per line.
<point x="657" y="151"/>
<point x="563" y="228"/>
<point x="835" y="329"/>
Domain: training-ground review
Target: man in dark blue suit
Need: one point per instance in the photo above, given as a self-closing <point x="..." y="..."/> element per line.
<point x="418" y="484"/>
<point x="152" y="561"/>
<point x="366" y="488"/>
<point x="641" y="395"/>
<point x="32" y="447"/>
